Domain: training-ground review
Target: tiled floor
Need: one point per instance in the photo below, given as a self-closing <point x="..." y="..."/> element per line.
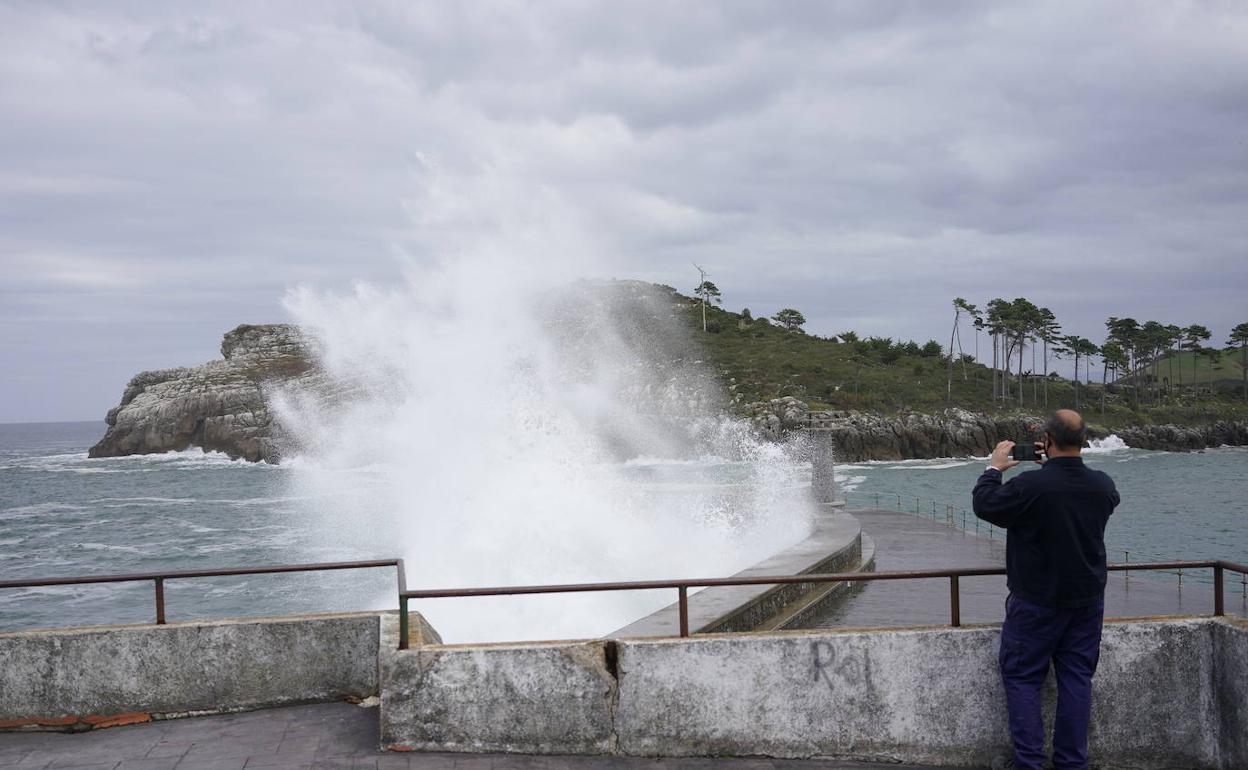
<point x="332" y="736"/>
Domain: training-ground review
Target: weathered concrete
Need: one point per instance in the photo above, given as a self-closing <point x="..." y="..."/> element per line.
<point x="1163" y="697"/>
<point x="108" y="675"/>
<point x="538" y="698"/>
<point x="323" y="736"/>
<point x="836" y="545"/>
<point x="822" y="466"/>
<point x="1230" y="649"/>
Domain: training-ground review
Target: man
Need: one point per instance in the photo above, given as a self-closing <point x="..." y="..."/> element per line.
<point x="1055" y="561"/>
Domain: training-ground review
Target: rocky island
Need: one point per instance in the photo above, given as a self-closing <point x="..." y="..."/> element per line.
<point x="908" y="404"/>
<point x="220" y="406"/>
<point x="225" y="406"/>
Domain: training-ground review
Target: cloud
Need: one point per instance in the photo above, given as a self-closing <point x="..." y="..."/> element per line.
<point x="865" y="162"/>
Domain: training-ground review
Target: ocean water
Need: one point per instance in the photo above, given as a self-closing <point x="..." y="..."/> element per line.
<point x="62" y="514"/>
<point x="1175" y="505"/>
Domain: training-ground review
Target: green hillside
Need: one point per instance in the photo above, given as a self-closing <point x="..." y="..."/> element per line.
<point x="759" y="360"/>
<point x="1179" y="367"/>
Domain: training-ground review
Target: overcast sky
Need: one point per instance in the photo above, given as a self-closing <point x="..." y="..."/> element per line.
<point x="168" y="170"/>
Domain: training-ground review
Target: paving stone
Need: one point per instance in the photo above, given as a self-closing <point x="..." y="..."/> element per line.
<point x="216" y="763"/>
<point x="159" y="763"/>
<point x="328" y="736"/>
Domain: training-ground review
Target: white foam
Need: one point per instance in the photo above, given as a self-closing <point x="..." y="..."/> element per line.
<point x="1110" y="443"/>
<point x="495" y="408"/>
<point x="849" y="483"/>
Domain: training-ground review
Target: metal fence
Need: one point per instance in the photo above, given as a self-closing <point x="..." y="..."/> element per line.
<point x="158" y="578"/>
<point x="962" y="518"/>
<point x="682" y="587"/>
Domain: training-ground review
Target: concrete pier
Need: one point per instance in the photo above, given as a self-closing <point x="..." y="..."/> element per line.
<point x="325" y="736"/>
<point x="908" y="542"/>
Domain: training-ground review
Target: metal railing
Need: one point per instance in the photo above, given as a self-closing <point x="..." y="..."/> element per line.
<point x="960" y="517"/>
<point x="682" y="586"/>
<point x="159" y="578"/>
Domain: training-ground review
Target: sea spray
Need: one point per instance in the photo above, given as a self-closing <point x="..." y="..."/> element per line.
<point x="479" y="420"/>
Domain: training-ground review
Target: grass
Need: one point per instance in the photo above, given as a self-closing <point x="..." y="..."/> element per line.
<point x="760" y="360"/>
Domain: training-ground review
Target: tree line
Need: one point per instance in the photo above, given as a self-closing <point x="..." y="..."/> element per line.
<point x="1133" y="351"/>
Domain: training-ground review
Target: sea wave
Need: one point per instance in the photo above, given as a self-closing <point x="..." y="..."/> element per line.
<point x="40" y="509"/>
<point x="646" y="461"/>
<point x="78" y="462"/>
<point x="1110" y="443"/>
<point x="849" y="483"/>
<point x="934" y="464"/>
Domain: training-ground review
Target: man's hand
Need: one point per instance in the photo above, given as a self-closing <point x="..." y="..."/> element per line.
<point x="1001" y="459"/>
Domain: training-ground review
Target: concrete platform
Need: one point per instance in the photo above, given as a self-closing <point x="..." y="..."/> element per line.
<point x="332" y="736"/>
<point x="908" y="542"/>
<point x="835" y="545"/>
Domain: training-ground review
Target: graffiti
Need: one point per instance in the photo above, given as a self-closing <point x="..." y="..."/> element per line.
<point x="825" y="665"/>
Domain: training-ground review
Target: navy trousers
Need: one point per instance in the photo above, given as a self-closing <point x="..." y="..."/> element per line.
<point x="1032" y="636"/>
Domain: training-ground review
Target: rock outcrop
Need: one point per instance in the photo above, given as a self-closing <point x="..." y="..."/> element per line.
<point x="866" y="436"/>
<point x="218" y="406"/>
<point x="225" y="406"/>
<point x="1186" y="438"/>
<point x="955" y="432"/>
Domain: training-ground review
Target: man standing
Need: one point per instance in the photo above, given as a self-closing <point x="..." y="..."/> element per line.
<point x="1055" y="561"/>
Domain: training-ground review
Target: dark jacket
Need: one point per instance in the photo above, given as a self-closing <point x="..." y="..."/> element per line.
<point x="1055" y="518"/>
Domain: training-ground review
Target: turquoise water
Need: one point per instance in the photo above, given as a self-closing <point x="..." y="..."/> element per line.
<point x="63" y="514"/>
<point x="1175" y="505"/>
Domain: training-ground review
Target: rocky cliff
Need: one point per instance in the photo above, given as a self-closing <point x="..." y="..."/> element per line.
<point x="219" y="406"/>
<point x="862" y="436"/>
<point x="225" y="406"/>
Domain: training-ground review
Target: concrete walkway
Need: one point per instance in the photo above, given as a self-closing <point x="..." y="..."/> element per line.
<point x="908" y="542"/>
<point x="332" y="736"/>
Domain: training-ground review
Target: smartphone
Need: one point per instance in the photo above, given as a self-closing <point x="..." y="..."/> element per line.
<point x="1024" y="453"/>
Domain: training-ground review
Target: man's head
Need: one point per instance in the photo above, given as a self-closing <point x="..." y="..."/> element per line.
<point x="1065" y="432"/>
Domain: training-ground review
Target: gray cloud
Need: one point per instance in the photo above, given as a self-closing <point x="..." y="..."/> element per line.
<point x="168" y="169"/>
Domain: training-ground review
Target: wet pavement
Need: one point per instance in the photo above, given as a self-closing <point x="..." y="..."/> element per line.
<point x="904" y="541"/>
<point x="326" y="736"/>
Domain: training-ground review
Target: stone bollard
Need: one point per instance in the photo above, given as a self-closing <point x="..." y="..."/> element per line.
<point x="822" y="468"/>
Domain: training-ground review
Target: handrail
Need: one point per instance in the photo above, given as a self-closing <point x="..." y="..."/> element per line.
<point x="683" y="586"/>
<point x="948" y="515"/>
<point x="159" y="578"/>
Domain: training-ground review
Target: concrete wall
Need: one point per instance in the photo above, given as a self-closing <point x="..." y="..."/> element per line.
<point x="835" y="545"/>
<point x="84" y="677"/>
<point x="1164" y="695"/>
<point x="1169" y="693"/>
<point x="1230" y="647"/>
<point x="540" y="698"/>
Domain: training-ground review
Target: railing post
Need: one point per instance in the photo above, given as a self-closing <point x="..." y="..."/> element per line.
<point x="955" y="602"/>
<point x="1126" y="573"/>
<point x="160" y="601"/>
<point x="1217" y="590"/>
<point x="684" y="610"/>
<point x="402" y="622"/>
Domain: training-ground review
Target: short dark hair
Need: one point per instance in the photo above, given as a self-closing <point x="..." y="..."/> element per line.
<point x="1066" y="435"/>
